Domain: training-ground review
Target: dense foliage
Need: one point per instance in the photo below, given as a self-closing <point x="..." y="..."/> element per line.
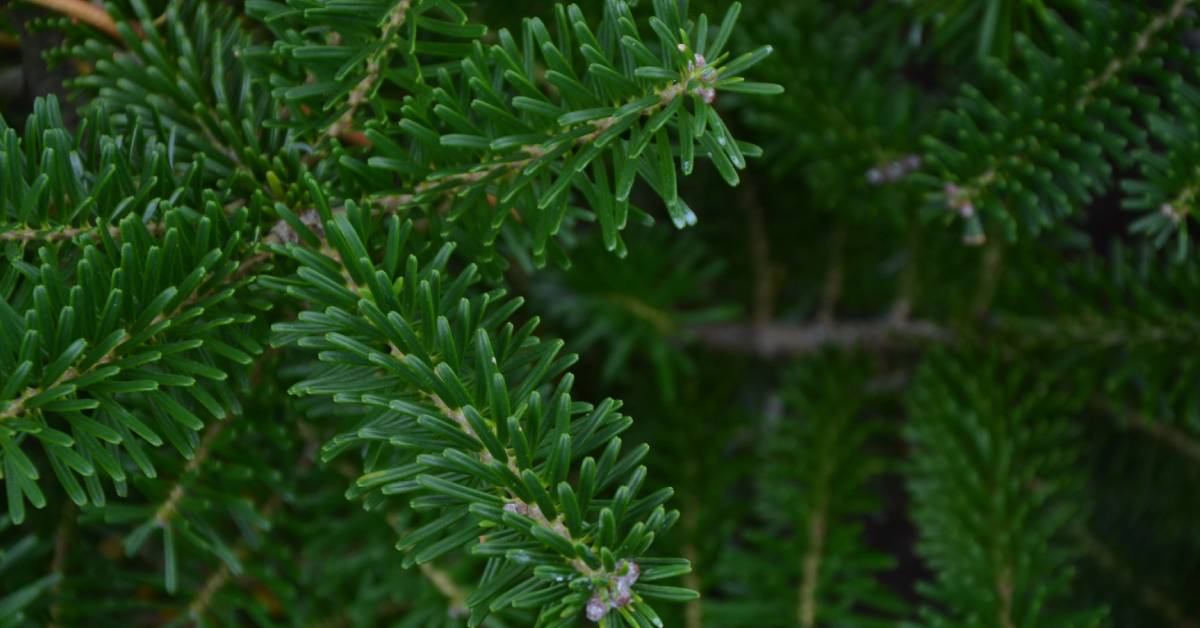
<point x="899" y="293"/>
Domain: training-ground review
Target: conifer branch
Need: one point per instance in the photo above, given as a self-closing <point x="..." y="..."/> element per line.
<point x="1141" y="43"/>
<point x="811" y="568"/>
<point x="31" y="234"/>
<point x="17" y="407"/>
<point x="1032" y="124"/>
<point x="393" y="22"/>
<point x="523" y="156"/>
<point x="1001" y="540"/>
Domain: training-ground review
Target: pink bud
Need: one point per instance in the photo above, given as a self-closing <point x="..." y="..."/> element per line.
<point x="596" y="609"/>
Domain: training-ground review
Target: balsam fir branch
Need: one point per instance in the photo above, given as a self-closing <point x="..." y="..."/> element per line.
<point x="599" y="540"/>
<point x="496" y="141"/>
<point x="1039" y="144"/>
<point x="1166" y="189"/>
<point x="456" y="417"/>
<point x="994" y="561"/>
<point x="809" y="513"/>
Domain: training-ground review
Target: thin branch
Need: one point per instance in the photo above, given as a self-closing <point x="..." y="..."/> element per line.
<point x="219" y="578"/>
<point x="34" y="234"/>
<point x="446" y="586"/>
<point x="58" y="564"/>
<point x="343" y="126"/>
<point x="526" y="155"/>
<point x="83" y="11"/>
<point x="171" y="504"/>
<point x="1148" y="594"/>
<point x="962" y="197"/>
<point x="17" y="408"/>
<point x="1140" y="44"/>
<point x="1159" y="430"/>
<point x="779" y="339"/>
<point x="1004" y="591"/>
<point x="1168" y="435"/>
<point x="662" y="321"/>
<point x="811" y="565"/>
<point x="694" y="612"/>
<point x="215" y="582"/>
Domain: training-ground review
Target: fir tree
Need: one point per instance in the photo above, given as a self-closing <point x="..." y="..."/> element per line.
<point x="274" y="275"/>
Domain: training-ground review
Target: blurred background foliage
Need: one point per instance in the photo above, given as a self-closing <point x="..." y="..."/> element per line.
<point x="880" y="399"/>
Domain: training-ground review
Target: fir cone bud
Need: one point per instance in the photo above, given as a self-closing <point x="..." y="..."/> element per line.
<point x="596" y="608"/>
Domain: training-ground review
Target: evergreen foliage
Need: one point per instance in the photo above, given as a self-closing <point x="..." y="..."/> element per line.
<point x="313" y="312"/>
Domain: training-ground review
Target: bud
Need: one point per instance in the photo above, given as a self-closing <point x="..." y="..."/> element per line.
<point x="596" y="608"/>
<point x="517" y="507"/>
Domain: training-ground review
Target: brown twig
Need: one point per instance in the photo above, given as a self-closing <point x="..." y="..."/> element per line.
<point x="780" y="339"/>
<point x="83" y="11"/>
<point x="169" y="506"/>
<point x="445" y="585"/>
<point x="811" y="565"/>
<point x="1157" y="429"/>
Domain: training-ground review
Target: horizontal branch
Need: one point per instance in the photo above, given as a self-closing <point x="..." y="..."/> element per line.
<point x="776" y="338"/>
<point x="524" y="156"/>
